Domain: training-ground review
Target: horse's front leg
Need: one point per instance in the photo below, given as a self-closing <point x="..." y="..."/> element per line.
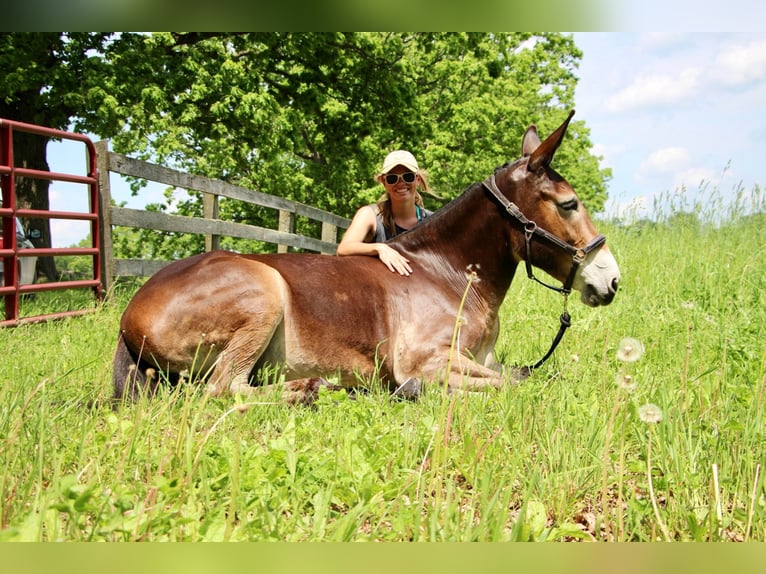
<point x="468" y="375"/>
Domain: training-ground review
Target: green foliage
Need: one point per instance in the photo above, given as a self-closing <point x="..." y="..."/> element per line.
<point x="306" y="116"/>
<point x="309" y="116"/>
<point x="562" y="456"/>
<point x="44" y="74"/>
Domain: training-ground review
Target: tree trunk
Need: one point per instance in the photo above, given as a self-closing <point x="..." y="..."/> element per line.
<point x="29" y="151"/>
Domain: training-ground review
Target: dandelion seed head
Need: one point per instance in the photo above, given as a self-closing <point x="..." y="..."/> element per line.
<point x="575" y="358"/>
<point x="629" y="350"/>
<point x="626" y="382"/>
<point x="472" y="273"/>
<point x="650" y="413"/>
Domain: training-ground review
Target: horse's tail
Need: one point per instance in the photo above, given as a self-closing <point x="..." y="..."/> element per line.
<point x="129" y="377"/>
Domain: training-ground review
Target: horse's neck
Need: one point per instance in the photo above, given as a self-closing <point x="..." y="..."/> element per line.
<point x="471" y="235"/>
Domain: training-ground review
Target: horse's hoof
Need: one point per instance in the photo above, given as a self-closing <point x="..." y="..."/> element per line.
<point x="519" y="374"/>
<point x="409" y="389"/>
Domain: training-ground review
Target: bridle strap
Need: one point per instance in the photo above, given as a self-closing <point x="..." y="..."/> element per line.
<point x="531" y="230"/>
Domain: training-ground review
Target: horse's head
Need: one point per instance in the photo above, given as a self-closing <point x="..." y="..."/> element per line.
<point x="558" y="234"/>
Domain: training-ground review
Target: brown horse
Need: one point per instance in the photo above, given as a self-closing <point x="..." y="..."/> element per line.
<point x="232" y="317"/>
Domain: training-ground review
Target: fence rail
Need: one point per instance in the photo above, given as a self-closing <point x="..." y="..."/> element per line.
<point x="208" y="225"/>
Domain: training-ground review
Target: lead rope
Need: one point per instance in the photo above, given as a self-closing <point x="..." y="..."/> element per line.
<point x="530" y="229"/>
<point x="565" y="322"/>
<point x="564" y="319"/>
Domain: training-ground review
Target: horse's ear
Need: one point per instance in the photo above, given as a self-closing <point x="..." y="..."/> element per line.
<point x="542" y="154"/>
<point x="530" y="142"/>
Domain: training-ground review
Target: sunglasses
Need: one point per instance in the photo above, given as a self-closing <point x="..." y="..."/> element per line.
<point x="392" y="178"/>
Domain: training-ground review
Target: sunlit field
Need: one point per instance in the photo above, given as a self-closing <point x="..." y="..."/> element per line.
<point x="646" y="424"/>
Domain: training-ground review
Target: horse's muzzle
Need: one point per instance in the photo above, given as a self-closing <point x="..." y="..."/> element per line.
<point x="594" y="297"/>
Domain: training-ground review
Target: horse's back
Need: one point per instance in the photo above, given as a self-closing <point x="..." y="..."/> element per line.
<point x="201" y="302"/>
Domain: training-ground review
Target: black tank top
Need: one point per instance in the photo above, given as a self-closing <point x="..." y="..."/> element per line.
<point x="383" y="233"/>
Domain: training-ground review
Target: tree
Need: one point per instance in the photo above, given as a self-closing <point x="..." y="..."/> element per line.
<point x="481" y="92"/>
<point x="41" y="83"/>
<point x="309" y="116"/>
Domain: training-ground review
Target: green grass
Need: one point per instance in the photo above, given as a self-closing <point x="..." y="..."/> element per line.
<point x="563" y="456"/>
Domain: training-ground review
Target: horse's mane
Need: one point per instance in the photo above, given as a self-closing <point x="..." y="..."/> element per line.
<point x="411" y="236"/>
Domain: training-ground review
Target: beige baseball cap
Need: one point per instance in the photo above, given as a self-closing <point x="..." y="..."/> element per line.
<point x="399" y="157"/>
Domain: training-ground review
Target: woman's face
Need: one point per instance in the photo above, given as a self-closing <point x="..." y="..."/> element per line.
<point x="400" y="186"/>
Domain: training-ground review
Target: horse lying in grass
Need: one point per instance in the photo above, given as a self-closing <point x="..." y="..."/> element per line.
<point x="233" y="317"/>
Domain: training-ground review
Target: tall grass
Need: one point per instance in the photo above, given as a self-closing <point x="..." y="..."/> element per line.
<point x="562" y="456"/>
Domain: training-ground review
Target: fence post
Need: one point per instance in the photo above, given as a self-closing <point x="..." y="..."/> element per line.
<point x="210" y="211"/>
<point x="105" y="211"/>
<point x="286" y="225"/>
<point x="329" y="234"/>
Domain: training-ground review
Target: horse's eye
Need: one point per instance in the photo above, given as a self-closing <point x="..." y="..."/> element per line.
<point x="569" y="205"/>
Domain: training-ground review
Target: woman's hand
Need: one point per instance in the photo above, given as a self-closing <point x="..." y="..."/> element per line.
<point x="394" y="260"/>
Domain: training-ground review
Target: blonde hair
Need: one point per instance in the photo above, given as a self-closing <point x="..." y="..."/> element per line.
<point x="384" y="204"/>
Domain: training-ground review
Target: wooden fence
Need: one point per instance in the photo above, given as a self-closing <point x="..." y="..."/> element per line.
<point x="209" y="225"/>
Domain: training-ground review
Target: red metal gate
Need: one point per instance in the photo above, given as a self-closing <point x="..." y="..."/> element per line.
<point x="11" y="289"/>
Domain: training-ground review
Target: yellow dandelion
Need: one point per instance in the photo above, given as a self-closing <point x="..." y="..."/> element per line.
<point x="650" y="413"/>
<point x="629" y="350"/>
<point x="626" y="382"/>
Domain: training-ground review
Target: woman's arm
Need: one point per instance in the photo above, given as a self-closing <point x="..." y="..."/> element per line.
<point x="356" y="242"/>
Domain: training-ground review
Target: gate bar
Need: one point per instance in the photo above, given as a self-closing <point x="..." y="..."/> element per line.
<point x="8" y="211"/>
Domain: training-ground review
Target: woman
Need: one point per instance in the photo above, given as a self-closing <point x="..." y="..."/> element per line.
<point x="400" y="209"/>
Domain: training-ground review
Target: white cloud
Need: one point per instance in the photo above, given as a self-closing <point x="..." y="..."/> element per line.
<point x="656" y="90"/>
<point x="693" y="177"/>
<point x="664" y="161"/>
<point x="674" y="165"/>
<point x="702" y="73"/>
<point x="740" y="65"/>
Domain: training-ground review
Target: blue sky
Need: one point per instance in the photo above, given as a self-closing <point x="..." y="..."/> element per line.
<point x="667" y="111"/>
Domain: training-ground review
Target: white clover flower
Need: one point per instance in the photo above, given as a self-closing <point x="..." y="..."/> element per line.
<point x="650" y="413"/>
<point x="629" y="350"/>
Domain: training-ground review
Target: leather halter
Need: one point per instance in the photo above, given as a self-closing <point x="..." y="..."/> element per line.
<point x="531" y="230"/>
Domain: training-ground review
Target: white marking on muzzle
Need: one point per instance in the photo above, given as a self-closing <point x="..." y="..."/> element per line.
<point x="597" y="278"/>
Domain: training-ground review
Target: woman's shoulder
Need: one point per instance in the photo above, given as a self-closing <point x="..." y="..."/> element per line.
<point x="367" y="214"/>
<point x="366" y="210"/>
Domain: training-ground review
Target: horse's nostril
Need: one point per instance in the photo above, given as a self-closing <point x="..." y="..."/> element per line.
<point x="615" y="284"/>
